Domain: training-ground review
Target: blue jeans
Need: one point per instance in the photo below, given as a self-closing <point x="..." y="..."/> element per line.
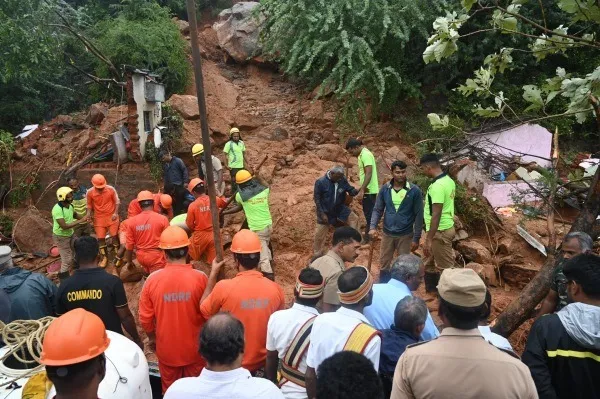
<point x="368" y="204"/>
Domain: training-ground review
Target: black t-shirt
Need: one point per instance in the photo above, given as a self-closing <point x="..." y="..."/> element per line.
<point x="96" y="291"/>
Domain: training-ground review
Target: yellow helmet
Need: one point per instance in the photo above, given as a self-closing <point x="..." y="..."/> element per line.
<point x="197" y="149"/>
<point x="242" y="176"/>
<point x="234" y="130"/>
<point x="62" y="193"/>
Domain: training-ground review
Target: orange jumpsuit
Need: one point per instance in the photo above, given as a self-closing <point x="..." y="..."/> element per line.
<point x="199" y="221"/>
<point x="143" y="234"/>
<point x="135" y="209"/>
<point x="169" y="306"/>
<point x="104" y="205"/>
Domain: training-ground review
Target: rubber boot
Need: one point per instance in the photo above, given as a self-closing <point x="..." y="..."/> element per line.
<point x="270" y="276"/>
<point x="431" y="281"/>
<point x="104" y="261"/>
<point x="384" y="276"/>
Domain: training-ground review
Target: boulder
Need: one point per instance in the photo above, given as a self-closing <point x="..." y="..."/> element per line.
<point x="186" y="105"/>
<point x="238" y="31"/>
<point x="244" y="121"/>
<point x="505" y="245"/>
<point x="279" y="134"/>
<point x="298" y="143"/>
<point x="487" y="272"/>
<point x="473" y="177"/>
<point x="33" y="233"/>
<point x="97" y="113"/>
<point x="460" y="235"/>
<point x="331" y="152"/>
<point x="474" y="252"/>
<point x="184" y="26"/>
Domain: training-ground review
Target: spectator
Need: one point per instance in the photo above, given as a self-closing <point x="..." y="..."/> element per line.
<point x="345" y="329"/>
<point x="439" y="221"/>
<point x="93" y="289"/>
<point x="409" y="321"/>
<point x="575" y="243"/>
<point x="330" y="202"/>
<point x="175" y="175"/>
<point x="407" y="275"/>
<point x="73" y="353"/>
<point x="401" y="205"/>
<point x="348" y="375"/>
<point x="563" y="349"/>
<point x="222" y="346"/>
<point x="31" y="294"/>
<point x="459" y="363"/>
<point x="346" y="242"/>
<point x="288" y="333"/>
<point x="491" y="337"/>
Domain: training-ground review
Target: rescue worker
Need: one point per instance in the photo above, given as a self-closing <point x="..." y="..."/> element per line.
<point x="216" y="168"/>
<point x="367" y="175"/>
<point x="460" y="363"/>
<point x="574" y="243"/>
<point x="96" y="291"/>
<point x="64" y="219"/>
<point x="143" y="234"/>
<point x="330" y="202"/>
<point x="288" y="333"/>
<point x="73" y="353"/>
<point x="249" y="296"/>
<point x="401" y="205"/>
<point x="235" y="149"/>
<point x="80" y="206"/>
<point x="253" y="198"/>
<point x="199" y="221"/>
<point x="345" y="329"/>
<point x="103" y="212"/>
<point x="163" y="204"/>
<point x="175" y="175"/>
<point x="439" y="221"/>
<point x="169" y="311"/>
<point x="345" y="245"/>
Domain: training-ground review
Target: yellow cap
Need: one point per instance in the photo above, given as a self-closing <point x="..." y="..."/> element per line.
<point x="234" y="130"/>
<point x="242" y="176"/>
<point x="461" y="287"/>
<point x="197" y="149"/>
<point x="62" y="193"/>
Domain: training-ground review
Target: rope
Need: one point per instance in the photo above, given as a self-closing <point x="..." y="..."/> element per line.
<point x="24" y="338"/>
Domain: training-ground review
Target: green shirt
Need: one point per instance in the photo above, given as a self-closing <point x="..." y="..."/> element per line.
<point x="235" y="153"/>
<point x="398" y="196"/>
<point x="441" y="191"/>
<point x="59" y="212"/>
<point x="257" y="210"/>
<point x="366" y="158"/>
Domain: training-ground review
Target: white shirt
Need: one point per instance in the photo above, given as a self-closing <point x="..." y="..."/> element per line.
<point x="234" y="384"/>
<point x="331" y="331"/>
<point x="281" y="331"/>
<point x="495" y="339"/>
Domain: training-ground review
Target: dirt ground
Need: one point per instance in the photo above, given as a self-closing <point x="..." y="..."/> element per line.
<point x="298" y="135"/>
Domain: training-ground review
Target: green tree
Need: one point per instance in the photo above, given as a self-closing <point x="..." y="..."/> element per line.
<point x="359" y="49"/>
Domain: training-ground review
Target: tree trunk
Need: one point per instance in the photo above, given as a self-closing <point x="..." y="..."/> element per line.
<point x="521" y="308"/>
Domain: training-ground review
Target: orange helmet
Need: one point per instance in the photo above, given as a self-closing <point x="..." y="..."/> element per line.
<point x="98" y="181"/>
<point x="245" y="242"/>
<point x="74" y="337"/>
<point x="145" y="196"/>
<point x="166" y="201"/>
<point x="193" y="183"/>
<point x="173" y="237"/>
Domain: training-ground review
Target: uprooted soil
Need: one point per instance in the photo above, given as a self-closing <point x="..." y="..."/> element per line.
<point x="298" y="134"/>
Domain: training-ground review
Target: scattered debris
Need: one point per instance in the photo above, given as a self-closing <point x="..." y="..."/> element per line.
<point x="506" y="211"/>
<point x="532" y="241"/>
<point x="27" y="130"/>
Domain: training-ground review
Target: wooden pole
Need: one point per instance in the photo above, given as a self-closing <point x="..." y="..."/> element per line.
<point x="214" y="211"/>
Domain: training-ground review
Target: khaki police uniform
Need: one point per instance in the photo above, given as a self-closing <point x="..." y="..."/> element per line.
<point x="331" y="267"/>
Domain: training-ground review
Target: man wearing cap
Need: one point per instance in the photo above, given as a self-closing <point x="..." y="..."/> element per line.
<point x="163" y="204"/>
<point x="199" y="221"/>
<point x="73" y="353"/>
<point x="169" y="311"/>
<point x="80" y="206"/>
<point x="31" y="294"/>
<point x="217" y="168"/>
<point x="461" y="363"/>
<point x="103" y="210"/>
<point x="235" y="149"/>
<point x="253" y="197"/>
<point x="249" y="296"/>
<point x="439" y="221"/>
<point x="288" y="335"/>
<point x="143" y="234"/>
<point x="346" y="329"/>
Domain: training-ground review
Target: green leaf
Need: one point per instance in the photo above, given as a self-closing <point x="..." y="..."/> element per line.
<point x="467" y="4"/>
<point x="533" y="95"/>
<point x="438" y="122"/>
<point x="488" y="112"/>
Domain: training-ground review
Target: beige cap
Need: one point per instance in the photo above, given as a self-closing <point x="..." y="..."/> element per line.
<point x="461" y="287"/>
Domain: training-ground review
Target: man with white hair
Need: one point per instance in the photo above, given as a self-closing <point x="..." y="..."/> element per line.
<point x="330" y="201"/>
<point x="407" y="274"/>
